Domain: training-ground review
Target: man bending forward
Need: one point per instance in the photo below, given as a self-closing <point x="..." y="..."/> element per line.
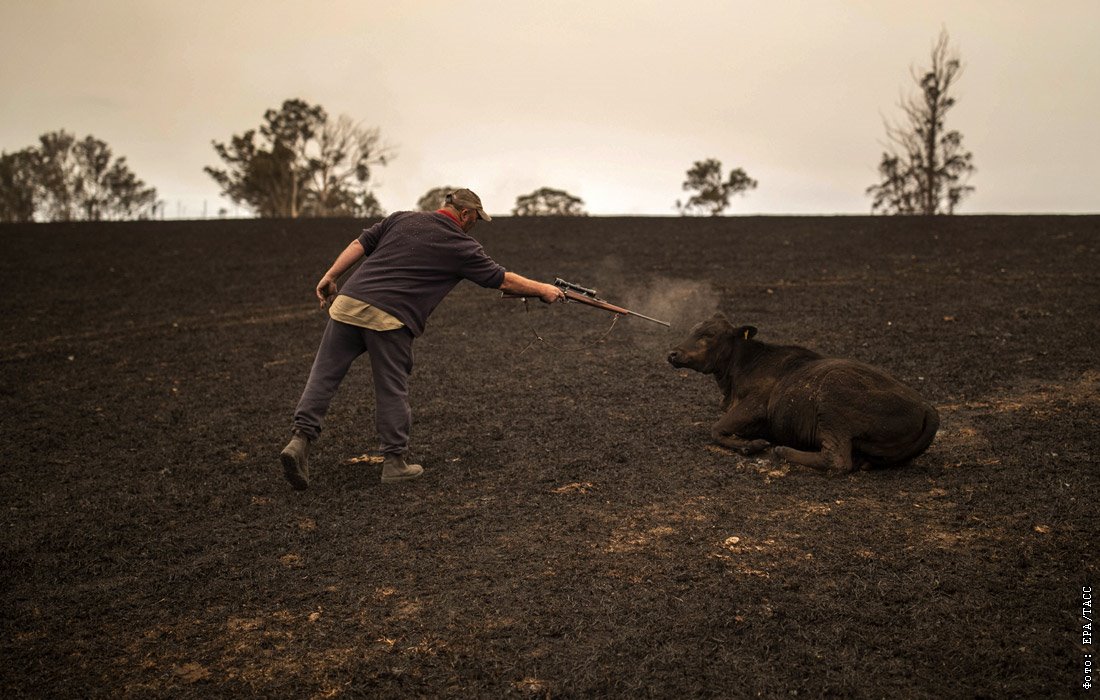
<point x="413" y="260"/>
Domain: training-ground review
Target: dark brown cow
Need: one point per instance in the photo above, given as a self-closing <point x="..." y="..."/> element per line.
<point x="825" y="413"/>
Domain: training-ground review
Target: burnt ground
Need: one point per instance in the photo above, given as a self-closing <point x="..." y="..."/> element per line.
<point x="575" y="534"/>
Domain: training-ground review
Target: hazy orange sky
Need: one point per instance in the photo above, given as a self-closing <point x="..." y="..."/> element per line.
<point x="612" y="101"/>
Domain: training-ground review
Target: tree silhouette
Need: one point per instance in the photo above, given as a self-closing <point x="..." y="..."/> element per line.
<point x="63" y="179"/>
<point x="547" y="201"/>
<point x="433" y="198"/>
<point x="712" y="193"/>
<point x="925" y="168"/>
<point x="17" y="186"/>
<point x="301" y="163"/>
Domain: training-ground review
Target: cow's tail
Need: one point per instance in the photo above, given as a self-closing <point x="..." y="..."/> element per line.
<point x="927" y="435"/>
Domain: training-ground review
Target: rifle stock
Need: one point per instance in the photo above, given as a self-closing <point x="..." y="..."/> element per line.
<point x="570" y="295"/>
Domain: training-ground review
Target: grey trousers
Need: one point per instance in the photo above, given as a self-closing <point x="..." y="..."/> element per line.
<point x="391" y="360"/>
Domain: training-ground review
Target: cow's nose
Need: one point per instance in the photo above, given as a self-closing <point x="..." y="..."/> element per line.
<point x="673" y="356"/>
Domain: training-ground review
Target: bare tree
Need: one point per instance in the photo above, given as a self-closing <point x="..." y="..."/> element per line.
<point x="340" y="164"/>
<point x="712" y="193"/>
<point x="925" y="167"/>
<point x="547" y="201"/>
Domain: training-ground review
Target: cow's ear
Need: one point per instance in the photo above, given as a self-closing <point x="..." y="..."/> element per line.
<point x="746" y="332"/>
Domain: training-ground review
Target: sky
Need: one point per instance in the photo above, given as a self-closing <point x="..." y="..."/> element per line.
<point x="610" y="100"/>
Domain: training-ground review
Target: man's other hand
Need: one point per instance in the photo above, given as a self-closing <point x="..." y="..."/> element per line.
<point x="326" y="290"/>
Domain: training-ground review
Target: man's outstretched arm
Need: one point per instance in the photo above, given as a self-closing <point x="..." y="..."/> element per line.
<point x="521" y="286"/>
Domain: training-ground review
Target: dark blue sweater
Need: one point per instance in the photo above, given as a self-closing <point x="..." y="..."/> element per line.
<point x="414" y="259"/>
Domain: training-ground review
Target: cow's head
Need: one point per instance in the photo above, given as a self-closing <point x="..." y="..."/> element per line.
<point x="709" y="344"/>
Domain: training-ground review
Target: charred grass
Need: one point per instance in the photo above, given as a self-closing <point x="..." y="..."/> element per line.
<point x="575" y="534"/>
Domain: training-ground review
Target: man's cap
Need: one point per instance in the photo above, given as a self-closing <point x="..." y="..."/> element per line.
<point x="466" y="199"/>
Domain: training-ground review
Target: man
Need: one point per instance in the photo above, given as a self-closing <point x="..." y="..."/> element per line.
<point x="413" y="260"/>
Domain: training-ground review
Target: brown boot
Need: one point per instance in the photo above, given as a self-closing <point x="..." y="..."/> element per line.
<point x="295" y="459"/>
<point x="395" y="469"/>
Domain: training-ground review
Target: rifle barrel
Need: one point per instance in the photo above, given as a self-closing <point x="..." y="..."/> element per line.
<point x="598" y="303"/>
<point x="607" y="306"/>
<point x="666" y="324"/>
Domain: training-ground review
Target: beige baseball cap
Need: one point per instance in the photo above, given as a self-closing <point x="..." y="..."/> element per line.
<point x="466" y="199"/>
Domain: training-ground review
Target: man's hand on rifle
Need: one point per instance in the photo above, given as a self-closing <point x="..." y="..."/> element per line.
<point x="550" y="294"/>
<point x="516" y="286"/>
<point x="519" y="286"/>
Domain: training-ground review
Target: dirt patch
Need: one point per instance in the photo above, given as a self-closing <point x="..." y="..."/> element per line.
<point x="575" y="534"/>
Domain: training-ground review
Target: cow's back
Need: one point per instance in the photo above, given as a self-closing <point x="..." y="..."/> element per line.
<point x="886" y="420"/>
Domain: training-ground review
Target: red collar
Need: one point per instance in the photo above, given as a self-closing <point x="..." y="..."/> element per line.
<point x="446" y="212"/>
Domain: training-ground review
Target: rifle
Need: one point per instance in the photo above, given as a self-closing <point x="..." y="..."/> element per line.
<point x="584" y="295"/>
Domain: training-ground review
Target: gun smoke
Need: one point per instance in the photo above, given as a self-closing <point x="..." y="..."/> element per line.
<point x="681" y="302"/>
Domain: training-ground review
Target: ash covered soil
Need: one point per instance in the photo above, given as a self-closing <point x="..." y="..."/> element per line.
<point x="575" y="533"/>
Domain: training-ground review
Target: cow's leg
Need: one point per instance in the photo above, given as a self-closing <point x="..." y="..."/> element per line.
<point x="835" y="455"/>
<point x="738" y="420"/>
<point x="741" y="445"/>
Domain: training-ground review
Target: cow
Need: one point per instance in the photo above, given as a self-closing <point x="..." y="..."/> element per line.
<point x="827" y="413"/>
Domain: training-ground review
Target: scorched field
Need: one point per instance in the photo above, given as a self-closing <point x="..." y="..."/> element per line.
<point x="576" y="534"/>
